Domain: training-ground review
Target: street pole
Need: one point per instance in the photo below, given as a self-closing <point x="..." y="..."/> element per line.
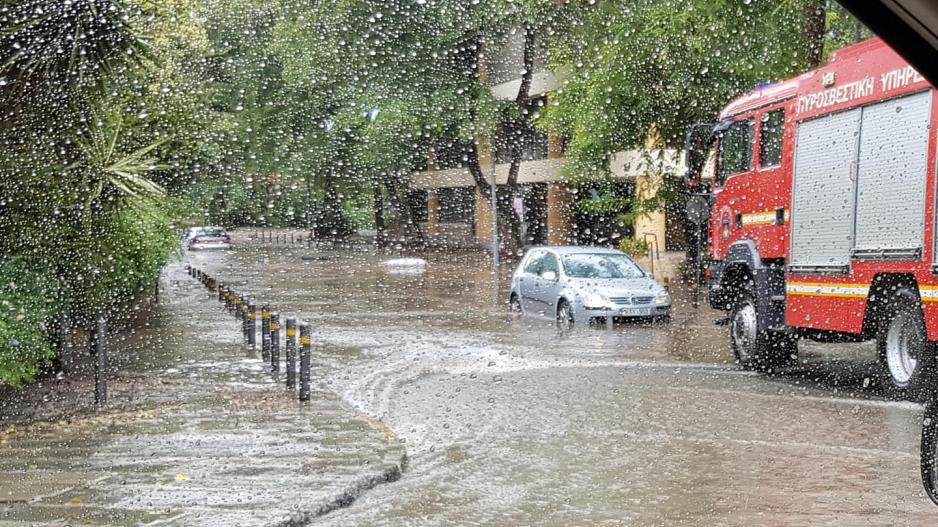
<point x="494" y="192"/>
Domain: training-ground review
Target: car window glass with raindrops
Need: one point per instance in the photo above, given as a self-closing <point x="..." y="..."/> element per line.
<point x="451" y="262"/>
<point x="601" y="266"/>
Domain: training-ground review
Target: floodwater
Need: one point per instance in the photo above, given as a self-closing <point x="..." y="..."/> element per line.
<point x="508" y="422"/>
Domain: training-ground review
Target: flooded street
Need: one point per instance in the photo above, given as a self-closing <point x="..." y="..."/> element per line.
<point x="446" y="263"/>
<point x="509" y="422"/>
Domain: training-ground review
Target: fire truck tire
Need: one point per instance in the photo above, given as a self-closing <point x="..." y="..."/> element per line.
<point x="904" y="351"/>
<point x="753" y="348"/>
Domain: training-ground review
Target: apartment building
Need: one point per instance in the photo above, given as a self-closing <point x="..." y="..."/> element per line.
<point x="456" y="213"/>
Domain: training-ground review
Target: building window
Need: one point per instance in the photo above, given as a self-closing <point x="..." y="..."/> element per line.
<point x="735" y="153"/>
<point x="770" y="144"/>
<point x="457" y="205"/>
<point x="531" y="140"/>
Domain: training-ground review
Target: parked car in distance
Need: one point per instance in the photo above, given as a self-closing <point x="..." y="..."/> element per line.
<point x="575" y="284"/>
<point x="190" y="233"/>
<point x="202" y="238"/>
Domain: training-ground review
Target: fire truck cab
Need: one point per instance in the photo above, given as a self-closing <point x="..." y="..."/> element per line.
<point x="822" y="214"/>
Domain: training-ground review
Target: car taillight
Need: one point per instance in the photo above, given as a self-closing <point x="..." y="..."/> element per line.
<point x="193" y="241"/>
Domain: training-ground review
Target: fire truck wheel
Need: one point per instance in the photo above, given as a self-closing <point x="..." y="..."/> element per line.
<point x="755" y="349"/>
<point x="903" y="346"/>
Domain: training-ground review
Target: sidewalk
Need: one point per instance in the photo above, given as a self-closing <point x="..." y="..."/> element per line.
<point x="200" y="434"/>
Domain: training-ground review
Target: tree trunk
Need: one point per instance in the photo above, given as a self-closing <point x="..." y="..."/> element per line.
<point x="381" y="234"/>
<point x="508" y="221"/>
<point x="516" y="128"/>
<point x="331" y="223"/>
<point x="815" y="25"/>
<point x="413" y="236"/>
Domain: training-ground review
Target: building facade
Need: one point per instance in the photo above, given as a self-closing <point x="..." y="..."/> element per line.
<point x="546" y="204"/>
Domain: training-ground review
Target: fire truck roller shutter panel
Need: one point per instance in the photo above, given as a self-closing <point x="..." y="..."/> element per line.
<point x="823" y="198"/>
<point x="891" y="176"/>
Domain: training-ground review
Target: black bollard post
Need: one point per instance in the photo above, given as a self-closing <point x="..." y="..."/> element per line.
<point x="252" y="325"/>
<point x="274" y="342"/>
<point x="99" y="351"/>
<point x="291" y="353"/>
<point x="229" y="299"/>
<point x="221" y="292"/>
<point x="244" y="318"/>
<point x="265" y="332"/>
<point x="237" y="306"/>
<point x="292" y="239"/>
<point x="305" y="349"/>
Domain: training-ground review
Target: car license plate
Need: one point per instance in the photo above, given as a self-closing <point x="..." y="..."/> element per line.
<point x="635" y="311"/>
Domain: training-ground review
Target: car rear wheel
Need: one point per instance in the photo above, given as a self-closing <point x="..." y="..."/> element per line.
<point x="755" y="348"/>
<point x="564" y="315"/>
<point x="903" y="346"/>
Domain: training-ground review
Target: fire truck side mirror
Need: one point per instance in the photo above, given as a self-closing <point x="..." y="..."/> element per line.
<point x="697" y="146"/>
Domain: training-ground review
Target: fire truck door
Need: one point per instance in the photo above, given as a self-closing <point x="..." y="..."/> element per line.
<point x="824" y="193"/>
<point x="891" y="178"/>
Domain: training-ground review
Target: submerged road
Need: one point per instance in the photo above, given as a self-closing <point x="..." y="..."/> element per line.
<point x="507" y="422"/>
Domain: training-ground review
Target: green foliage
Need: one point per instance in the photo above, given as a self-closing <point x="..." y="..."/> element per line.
<point x="86" y="221"/>
<point x="119" y="257"/>
<point x="28" y="301"/>
<point x="652" y="64"/>
<point x="67" y="43"/>
<point x="635" y="247"/>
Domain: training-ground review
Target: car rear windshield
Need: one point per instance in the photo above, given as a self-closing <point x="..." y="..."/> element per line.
<point x="211" y="231"/>
<point x="601" y="266"/>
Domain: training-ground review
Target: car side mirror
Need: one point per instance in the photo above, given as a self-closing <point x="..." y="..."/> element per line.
<point x="549" y="276"/>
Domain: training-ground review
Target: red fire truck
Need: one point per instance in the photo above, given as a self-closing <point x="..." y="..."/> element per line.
<point x="822" y="213"/>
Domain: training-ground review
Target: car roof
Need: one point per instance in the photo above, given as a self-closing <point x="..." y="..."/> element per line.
<point x="576" y="249"/>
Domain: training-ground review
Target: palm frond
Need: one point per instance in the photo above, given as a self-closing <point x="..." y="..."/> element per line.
<point x="67" y="42"/>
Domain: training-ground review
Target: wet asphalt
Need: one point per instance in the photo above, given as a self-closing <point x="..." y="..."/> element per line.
<point x="509" y="422"/>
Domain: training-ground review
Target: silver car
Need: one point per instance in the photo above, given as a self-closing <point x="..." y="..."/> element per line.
<point x="207" y="238"/>
<point x="585" y="283"/>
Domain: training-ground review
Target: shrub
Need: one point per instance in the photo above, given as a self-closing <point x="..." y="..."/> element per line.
<point x="634" y="247"/>
<point x="28" y="302"/>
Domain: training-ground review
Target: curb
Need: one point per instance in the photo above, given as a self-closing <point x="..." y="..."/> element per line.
<point x="389" y="474"/>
